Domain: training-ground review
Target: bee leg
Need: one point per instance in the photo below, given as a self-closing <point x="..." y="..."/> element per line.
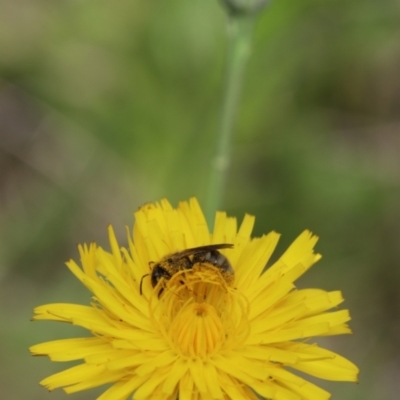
<point x="141" y="282"/>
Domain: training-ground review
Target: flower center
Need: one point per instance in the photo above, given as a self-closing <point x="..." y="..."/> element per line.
<point x="199" y="313"/>
<point x="198" y="330"/>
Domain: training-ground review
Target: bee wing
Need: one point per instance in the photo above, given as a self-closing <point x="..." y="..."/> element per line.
<point x="201" y="249"/>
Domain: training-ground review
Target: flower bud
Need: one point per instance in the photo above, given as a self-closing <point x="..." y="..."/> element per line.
<point x="244" y="7"/>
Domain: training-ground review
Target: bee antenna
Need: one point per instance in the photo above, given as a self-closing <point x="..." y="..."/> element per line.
<point x="141" y="282"/>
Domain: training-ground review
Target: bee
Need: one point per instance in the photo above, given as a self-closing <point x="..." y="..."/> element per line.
<point x="186" y="259"/>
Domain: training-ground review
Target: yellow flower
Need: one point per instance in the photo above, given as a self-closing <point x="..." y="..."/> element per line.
<point x="201" y="333"/>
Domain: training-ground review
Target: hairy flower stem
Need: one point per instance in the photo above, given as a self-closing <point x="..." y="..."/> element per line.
<point x="240" y="29"/>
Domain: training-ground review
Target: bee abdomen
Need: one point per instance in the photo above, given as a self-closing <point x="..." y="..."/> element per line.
<point x="217" y="259"/>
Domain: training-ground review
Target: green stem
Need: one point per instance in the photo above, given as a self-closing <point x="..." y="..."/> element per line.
<point x="240" y="30"/>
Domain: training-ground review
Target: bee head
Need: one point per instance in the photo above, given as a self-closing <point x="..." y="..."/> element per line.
<point x="157" y="273"/>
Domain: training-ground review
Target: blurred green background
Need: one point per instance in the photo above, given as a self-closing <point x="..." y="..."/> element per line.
<point x="107" y="105"/>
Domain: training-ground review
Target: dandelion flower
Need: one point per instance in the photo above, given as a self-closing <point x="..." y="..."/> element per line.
<point x="202" y="331"/>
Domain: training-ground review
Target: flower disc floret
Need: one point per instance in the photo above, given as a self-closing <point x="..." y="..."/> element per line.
<point x="200" y="314"/>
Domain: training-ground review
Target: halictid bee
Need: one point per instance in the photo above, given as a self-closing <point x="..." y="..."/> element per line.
<point x="186" y="259"/>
